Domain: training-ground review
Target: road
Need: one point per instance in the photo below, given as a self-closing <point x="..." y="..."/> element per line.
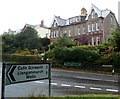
<point x="66" y="83"/>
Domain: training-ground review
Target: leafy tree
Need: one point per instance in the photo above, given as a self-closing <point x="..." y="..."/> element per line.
<point x="28" y="38"/>
<point x="64" y="41"/>
<point x="115" y="39"/>
<point x="8" y="41"/>
<point x="45" y="41"/>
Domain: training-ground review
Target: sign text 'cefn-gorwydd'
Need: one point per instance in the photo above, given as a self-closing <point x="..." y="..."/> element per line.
<point x="19" y="73"/>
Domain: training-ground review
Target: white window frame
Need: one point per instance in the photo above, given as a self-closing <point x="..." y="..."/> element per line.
<point x="54" y="24"/>
<point x="93" y="27"/>
<point x="97" y="40"/>
<point x="79" y="30"/>
<point x="69" y="32"/>
<point x="97" y="26"/>
<point x="92" y="40"/>
<point x="51" y="34"/>
<point x="93" y="14"/>
<point x="56" y="33"/>
<point x="84" y="29"/>
<point x="77" y="19"/>
<point x="89" y="27"/>
<point x="74" y="20"/>
<point x="71" y="20"/>
<point x="65" y="31"/>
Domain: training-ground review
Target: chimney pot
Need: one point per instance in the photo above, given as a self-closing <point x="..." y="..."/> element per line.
<point x="42" y="22"/>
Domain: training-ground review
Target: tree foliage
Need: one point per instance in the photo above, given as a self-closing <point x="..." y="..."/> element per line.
<point x="63" y="41"/>
<point x="74" y="54"/>
<point x="115" y="39"/>
<point x="28" y="38"/>
<point x="8" y="41"/>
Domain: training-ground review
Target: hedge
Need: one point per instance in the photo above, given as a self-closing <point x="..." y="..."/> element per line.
<point x="20" y="58"/>
<point x="75" y="54"/>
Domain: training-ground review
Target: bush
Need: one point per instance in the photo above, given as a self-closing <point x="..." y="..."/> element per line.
<point x="21" y="58"/>
<point x="115" y="59"/>
<point x="74" y="54"/>
<point x="111" y="59"/>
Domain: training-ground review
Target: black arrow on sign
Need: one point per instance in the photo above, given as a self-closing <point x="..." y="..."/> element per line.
<point x="11" y="73"/>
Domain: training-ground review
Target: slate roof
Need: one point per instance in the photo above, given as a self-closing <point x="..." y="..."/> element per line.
<point x="35" y="26"/>
<point x="12" y="32"/>
<point x="65" y="22"/>
<point x="60" y="21"/>
<point x="100" y="13"/>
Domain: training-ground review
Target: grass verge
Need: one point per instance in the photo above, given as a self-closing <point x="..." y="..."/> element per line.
<point x="77" y="97"/>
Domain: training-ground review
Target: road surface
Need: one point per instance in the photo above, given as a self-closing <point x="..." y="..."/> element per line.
<point x="66" y="83"/>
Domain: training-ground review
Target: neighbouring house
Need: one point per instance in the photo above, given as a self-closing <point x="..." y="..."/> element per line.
<point x="43" y="31"/>
<point x="92" y="28"/>
<point x="12" y="32"/>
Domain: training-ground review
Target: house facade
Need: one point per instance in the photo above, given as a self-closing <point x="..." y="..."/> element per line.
<point x="43" y="31"/>
<point x="92" y="28"/>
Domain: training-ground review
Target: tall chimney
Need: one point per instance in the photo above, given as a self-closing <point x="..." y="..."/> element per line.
<point x="42" y="22"/>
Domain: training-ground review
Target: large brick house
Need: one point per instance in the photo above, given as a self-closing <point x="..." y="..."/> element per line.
<point x="92" y="28"/>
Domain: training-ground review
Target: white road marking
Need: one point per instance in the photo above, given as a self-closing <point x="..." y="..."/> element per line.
<point x="112" y="90"/>
<point x="54" y="84"/>
<point x="65" y="85"/>
<point x="39" y="82"/>
<point x="93" y="88"/>
<point x="95" y="79"/>
<point x="80" y="86"/>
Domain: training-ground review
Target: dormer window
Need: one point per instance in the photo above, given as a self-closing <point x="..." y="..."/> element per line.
<point x="93" y="14"/>
<point x="77" y="19"/>
<point x="71" y="20"/>
<point x="54" y="24"/>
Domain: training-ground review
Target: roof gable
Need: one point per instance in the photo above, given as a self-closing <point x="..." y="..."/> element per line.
<point x="100" y="13"/>
<point x="59" y="21"/>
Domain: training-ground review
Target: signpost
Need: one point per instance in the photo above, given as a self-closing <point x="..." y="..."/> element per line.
<point x="109" y="66"/>
<point x="18" y="73"/>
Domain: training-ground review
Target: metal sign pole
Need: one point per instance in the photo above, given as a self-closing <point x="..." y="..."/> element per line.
<point x="50" y="80"/>
<point x="3" y="81"/>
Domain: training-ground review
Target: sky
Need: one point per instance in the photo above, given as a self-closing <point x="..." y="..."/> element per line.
<point x="14" y="14"/>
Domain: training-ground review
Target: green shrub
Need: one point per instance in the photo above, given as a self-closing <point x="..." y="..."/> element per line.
<point x="21" y="58"/>
<point x="74" y="54"/>
<point x="111" y="59"/>
<point x="115" y="59"/>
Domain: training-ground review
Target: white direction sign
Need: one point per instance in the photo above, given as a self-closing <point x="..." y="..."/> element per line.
<point x="29" y="72"/>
